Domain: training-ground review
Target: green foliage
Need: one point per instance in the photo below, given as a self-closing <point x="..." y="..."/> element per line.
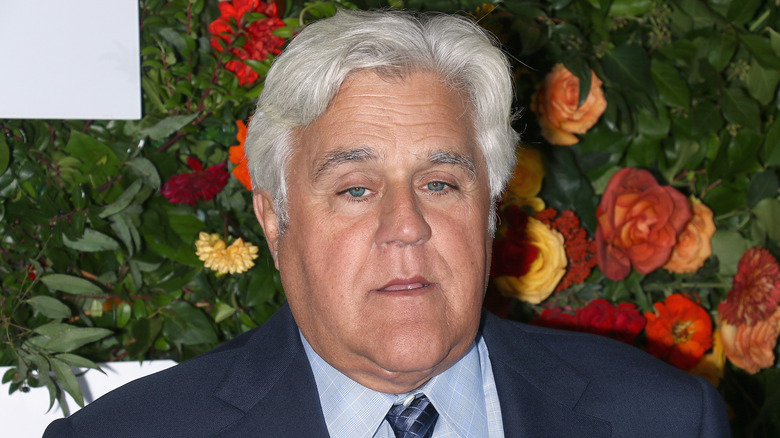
<point x="98" y="266"/>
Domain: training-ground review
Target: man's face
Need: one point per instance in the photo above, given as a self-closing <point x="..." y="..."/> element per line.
<point x="385" y="256"/>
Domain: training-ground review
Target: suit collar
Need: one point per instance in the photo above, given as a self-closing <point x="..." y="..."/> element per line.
<point x="539" y="392"/>
<point x="272" y="382"/>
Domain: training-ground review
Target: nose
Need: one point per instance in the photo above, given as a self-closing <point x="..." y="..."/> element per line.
<point x="401" y="219"/>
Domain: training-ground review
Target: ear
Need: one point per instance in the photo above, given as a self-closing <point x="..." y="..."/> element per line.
<point x="266" y="214"/>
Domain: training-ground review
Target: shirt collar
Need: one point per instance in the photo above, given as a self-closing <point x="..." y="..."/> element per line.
<point x="350" y="409"/>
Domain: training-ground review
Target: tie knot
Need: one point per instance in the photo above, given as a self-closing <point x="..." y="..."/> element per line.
<point x="414" y="421"/>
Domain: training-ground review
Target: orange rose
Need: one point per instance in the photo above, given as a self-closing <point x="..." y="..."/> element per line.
<point x="544" y="272"/>
<point x="526" y="182"/>
<point x="638" y="223"/>
<point x="694" y="244"/>
<point x="555" y="105"/>
<point x="751" y="347"/>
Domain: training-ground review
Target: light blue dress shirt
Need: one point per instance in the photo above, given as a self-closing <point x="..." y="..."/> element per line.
<point x="464" y="396"/>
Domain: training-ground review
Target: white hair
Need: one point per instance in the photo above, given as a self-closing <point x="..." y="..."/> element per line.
<point x="307" y="75"/>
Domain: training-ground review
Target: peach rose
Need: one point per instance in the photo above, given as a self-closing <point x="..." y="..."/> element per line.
<point x="694" y="244"/>
<point x="555" y="105"/>
<point x="751" y="347"/>
<point x="545" y="271"/>
<point x="526" y="181"/>
<point x="638" y="223"/>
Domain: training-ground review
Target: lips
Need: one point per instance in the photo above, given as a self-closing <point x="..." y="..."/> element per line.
<point x="409" y="284"/>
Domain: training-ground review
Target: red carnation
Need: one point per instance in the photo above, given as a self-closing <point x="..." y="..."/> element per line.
<point x="622" y="322"/>
<point x="598" y="317"/>
<point x="558" y="319"/>
<point x="628" y="322"/>
<point x="756" y="289"/>
<point x="200" y="185"/>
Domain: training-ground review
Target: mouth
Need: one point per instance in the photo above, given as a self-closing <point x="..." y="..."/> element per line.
<point x="405" y="284"/>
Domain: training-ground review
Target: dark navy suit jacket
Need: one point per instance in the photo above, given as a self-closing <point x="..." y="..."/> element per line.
<point x="550" y="384"/>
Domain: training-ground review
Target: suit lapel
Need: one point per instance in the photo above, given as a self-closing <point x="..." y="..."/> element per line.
<point x="538" y="392"/>
<point x="272" y="382"/>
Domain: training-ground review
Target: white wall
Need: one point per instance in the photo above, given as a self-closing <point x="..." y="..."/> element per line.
<point x="23" y="415"/>
<point x="69" y="59"/>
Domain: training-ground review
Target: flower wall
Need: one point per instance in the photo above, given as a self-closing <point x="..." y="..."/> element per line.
<point x="644" y="206"/>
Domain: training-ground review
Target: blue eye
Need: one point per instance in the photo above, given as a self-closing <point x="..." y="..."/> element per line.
<point x="356" y="192"/>
<point x="436" y="186"/>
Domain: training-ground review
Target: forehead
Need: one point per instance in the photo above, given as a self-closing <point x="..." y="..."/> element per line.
<point x="417" y="114"/>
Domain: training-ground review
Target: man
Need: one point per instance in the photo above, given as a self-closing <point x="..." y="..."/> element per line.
<point x="378" y="148"/>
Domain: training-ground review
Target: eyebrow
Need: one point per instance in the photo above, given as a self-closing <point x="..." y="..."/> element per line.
<point x="338" y="158"/>
<point x="444" y="157"/>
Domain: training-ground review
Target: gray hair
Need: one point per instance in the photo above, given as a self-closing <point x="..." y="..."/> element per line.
<point x="307" y="75"/>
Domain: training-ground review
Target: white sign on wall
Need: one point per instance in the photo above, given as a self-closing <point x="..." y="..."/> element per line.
<point x="69" y="59"/>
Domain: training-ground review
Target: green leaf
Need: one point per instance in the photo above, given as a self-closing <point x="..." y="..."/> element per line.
<point x="97" y="162"/>
<point x="772" y="145"/>
<point x="719" y="48"/>
<point x="631" y="8"/>
<point x="767" y="213"/>
<point x="49" y="307"/>
<point x="188" y="326"/>
<point x="628" y="67"/>
<point x="144" y="168"/>
<point x="91" y="241"/>
<point x="168" y="126"/>
<point x="123" y="201"/>
<point x="174" y="38"/>
<point x="761" y="48"/>
<point x="67" y="380"/>
<point x="728" y="246"/>
<point x="65" y="338"/>
<point x="123" y="313"/>
<point x="672" y="88"/>
<point x="71" y="285"/>
<point x="121" y="226"/>
<point x="77" y="361"/>
<point x="740" y="12"/>
<point x="762" y="185"/>
<point x="743" y="152"/>
<point x="740" y="109"/>
<point x="5" y="154"/>
<point x="653" y="126"/>
<point x="222" y="312"/>
<point x="761" y="83"/>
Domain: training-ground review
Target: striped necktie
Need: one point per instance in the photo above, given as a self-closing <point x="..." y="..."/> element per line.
<point x="414" y="421"/>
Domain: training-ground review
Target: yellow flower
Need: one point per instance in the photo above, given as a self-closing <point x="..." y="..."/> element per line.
<point x="217" y="256"/>
<point x="545" y="271"/>
<point x="526" y="182"/>
<point x="711" y="365"/>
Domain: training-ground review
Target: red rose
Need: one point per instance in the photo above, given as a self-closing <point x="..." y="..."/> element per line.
<point x="598" y="317"/>
<point x="512" y="253"/>
<point x="638" y="223"/>
<point x="628" y="322"/>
